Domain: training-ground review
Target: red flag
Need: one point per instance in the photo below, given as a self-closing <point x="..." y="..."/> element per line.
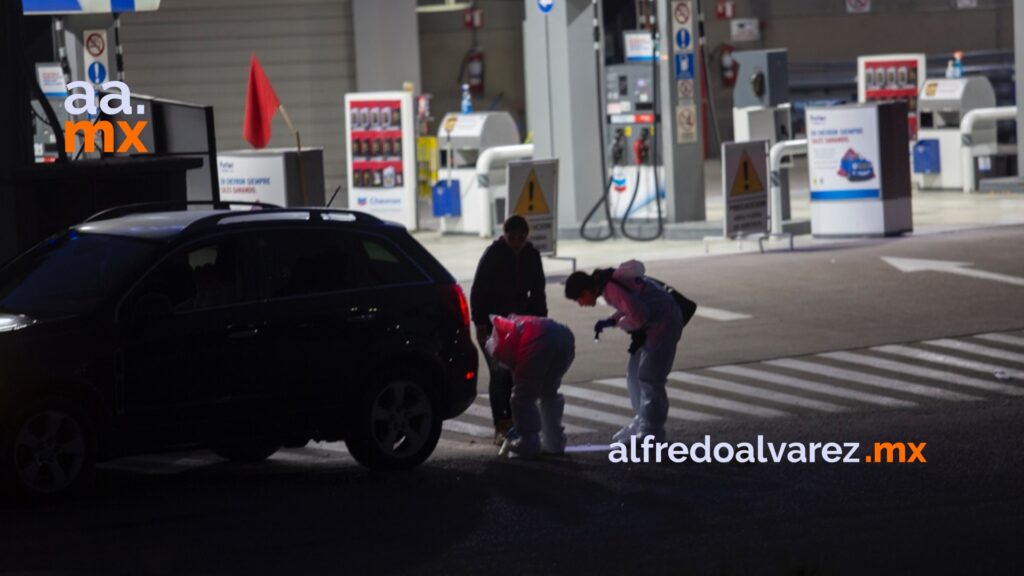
<point x="261" y="104"/>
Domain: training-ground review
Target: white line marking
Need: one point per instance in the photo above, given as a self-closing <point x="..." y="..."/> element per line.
<point x="755" y="392"/>
<point x="588" y="448"/>
<point x="1003" y="338"/>
<point x="978" y="349"/>
<point x="954" y="361"/>
<point x="870" y="380"/>
<point x="719" y="314"/>
<point x="918" y="265"/>
<point x="923" y="372"/>
<point x="584" y="413"/>
<point x="706" y="400"/>
<point x="485" y="412"/>
<point x="811" y="386"/>
<point x="467" y="429"/>
<point x="623" y="402"/>
<point x="336" y="447"/>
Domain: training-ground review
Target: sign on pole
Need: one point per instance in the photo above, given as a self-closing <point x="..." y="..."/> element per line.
<point x="533" y="194"/>
<point x="745" y="187"/>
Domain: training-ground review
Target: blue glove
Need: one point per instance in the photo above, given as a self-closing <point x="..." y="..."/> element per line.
<point x="601" y="325"/>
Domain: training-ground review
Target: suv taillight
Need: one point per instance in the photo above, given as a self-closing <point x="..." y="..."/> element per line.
<point x="455" y="297"/>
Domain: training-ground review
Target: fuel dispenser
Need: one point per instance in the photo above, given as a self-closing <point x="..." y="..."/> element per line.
<point x="630" y="139"/>
<point x="941" y="107"/>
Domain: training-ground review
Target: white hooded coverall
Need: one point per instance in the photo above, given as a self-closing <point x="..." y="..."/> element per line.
<point x="538" y="351"/>
<point x="641" y="304"/>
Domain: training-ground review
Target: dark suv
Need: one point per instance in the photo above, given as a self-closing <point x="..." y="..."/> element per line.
<point x="240" y="331"/>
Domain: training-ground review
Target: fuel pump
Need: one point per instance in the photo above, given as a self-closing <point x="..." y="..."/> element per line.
<point x="626" y="61"/>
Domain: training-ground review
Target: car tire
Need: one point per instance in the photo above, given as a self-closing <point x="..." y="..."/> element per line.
<point x="396" y="425"/>
<point x="247" y="451"/>
<point x="48" y="451"/>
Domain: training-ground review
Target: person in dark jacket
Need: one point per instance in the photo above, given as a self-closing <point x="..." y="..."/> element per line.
<point x="509" y="280"/>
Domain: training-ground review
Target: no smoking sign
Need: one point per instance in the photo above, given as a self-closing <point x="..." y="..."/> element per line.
<point x="95" y="44"/>
<point x="681" y="13"/>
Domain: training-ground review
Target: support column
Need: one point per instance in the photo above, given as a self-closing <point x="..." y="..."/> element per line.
<point x="15" y="120"/>
<point x="1018" y="65"/>
<point x="561" y="103"/>
<point x="387" y="41"/>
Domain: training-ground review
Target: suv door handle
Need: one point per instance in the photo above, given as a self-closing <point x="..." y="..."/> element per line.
<point x="243" y="333"/>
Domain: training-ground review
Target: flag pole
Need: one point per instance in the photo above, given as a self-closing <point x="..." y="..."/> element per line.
<point x="298" y="146"/>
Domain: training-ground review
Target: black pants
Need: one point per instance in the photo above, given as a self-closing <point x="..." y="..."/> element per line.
<point x="499" y="389"/>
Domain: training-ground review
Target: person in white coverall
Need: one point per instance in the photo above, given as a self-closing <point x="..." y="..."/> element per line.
<point x="653" y="318"/>
<point x="538" y="351"/>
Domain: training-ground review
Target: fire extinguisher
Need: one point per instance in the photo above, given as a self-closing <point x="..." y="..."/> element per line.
<point x="728" y="66"/>
<point x="475" y="69"/>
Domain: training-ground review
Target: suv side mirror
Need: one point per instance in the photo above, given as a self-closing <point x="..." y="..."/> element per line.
<point x="152" y="306"/>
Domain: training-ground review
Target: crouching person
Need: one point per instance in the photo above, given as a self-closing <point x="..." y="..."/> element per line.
<point x="538" y="352"/>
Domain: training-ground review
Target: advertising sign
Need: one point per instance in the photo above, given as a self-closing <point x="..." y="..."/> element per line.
<point x="252" y="178"/>
<point x="382" y="155"/>
<point x="843" y="153"/>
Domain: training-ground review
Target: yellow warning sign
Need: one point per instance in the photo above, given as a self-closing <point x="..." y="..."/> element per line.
<point x="747" y="181"/>
<point x="531" y="198"/>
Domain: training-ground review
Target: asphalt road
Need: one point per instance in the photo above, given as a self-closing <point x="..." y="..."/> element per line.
<point x="314" y="511"/>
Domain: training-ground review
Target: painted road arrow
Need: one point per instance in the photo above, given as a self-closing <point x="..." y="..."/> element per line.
<point x="961" y="268"/>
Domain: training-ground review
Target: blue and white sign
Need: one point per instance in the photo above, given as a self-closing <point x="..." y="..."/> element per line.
<point x="87" y="6"/>
<point x="97" y="73"/>
<point x="51" y="79"/>
<point x="683" y="39"/>
<point x="545" y="5"/>
<point x="684" y="66"/>
<point x="843" y="153"/>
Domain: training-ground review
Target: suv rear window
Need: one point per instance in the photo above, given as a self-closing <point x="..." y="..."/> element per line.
<point x="302" y="262"/>
<point x="386" y="266"/>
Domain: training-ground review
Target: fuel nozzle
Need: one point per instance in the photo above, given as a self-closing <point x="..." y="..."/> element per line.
<point x="618" y="147"/>
<point x="641" y="146"/>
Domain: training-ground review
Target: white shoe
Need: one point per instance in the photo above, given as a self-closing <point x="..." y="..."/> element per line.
<point x="626" y="433"/>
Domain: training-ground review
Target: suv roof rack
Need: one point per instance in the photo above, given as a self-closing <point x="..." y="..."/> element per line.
<point x="319" y="213"/>
<point x="144" y="207"/>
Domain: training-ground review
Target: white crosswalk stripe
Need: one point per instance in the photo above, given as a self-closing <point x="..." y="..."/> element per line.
<point x="474" y="430"/>
<point x="978" y="349"/>
<point x="956" y="362"/>
<point x="485" y="412"/>
<point x="600" y="416"/>
<point x="812" y="386"/>
<point x="706" y="400"/>
<point x="621" y="401"/>
<point x="1003" y="339"/>
<point x="870" y="379"/>
<point x="929" y="373"/>
<point x="754" y="392"/>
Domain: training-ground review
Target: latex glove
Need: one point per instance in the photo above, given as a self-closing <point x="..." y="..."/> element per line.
<point x="601" y="325"/>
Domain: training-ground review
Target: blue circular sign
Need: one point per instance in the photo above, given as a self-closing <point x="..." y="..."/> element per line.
<point x="97" y="73"/>
<point x="683" y="39"/>
<point x="545" y="5"/>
